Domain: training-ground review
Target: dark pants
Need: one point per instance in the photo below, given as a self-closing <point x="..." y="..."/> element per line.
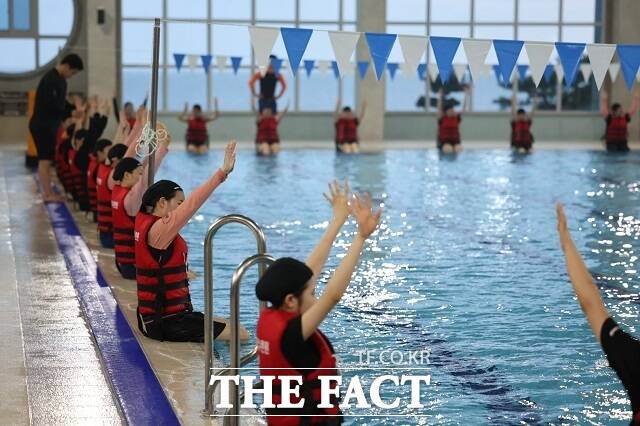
<point x="44" y="137"/>
<point x="106" y="239"/>
<point x="180" y="327"/>
<point x="268" y="103"/>
<point x="618" y="146"/>
<point x="127" y="270"/>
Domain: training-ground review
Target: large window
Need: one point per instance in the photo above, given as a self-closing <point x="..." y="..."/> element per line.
<point x="528" y="20"/>
<point x="191" y="34"/>
<point x="33" y="32"/>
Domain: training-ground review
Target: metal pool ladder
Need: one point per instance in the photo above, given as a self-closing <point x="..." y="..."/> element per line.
<point x="263" y="260"/>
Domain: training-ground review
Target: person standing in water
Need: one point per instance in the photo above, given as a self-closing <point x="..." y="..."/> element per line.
<point x="267" y="96"/>
<point x="346" y="123"/>
<point x="521" y="136"/>
<point x="449" y="123"/>
<point x="617" y="134"/>
<point x="197" y="136"/>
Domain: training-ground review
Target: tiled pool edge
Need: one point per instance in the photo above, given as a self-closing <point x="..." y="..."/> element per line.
<point x="134" y="383"/>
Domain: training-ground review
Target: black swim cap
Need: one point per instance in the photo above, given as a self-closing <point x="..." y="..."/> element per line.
<point x="346" y="109"/>
<point x="101" y="144"/>
<point x="285" y="276"/>
<point x="117" y="151"/>
<point x="126" y="165"/>
<point x="161" y="189"/>
<point x="521" y="111"/>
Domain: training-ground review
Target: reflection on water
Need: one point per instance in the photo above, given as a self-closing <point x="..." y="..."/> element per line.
<point x="465" y="265"/>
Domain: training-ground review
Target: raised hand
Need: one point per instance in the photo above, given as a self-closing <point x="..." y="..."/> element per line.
<point x="229" y="158"/>
<point x="367" y="219"/>
<point x="339" y="199"/>
<point x="163" y="135"/>
<point x="563" y="230"/>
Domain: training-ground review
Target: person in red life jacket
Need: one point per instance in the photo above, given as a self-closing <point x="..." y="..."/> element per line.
<point x="97" y="157"/>
<point x="347" y="123"/>
<point x="268" y="82"/>
<point x="616" y="134"/>
<point x="267" y="137"/>
<point x="621" y="349"/>
<point x="63" y="169"/>
<point x="126" y="197"/>
<point x="164" y="304"/>
<point x="521" y="136"/>
<point x="197" y="136"/>
<point x="288" y="337"/>
<point x="449" y="123"/>
<point x="103" y="193"/>
<point x="78" y="186"/>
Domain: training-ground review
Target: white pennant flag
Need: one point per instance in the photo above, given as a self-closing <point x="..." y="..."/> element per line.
<point x="323" y="66"/>
<point x="263" y="39"/>
<point x="433" y="71"/>
<point x="538" y="54"/>
<point x="192" y="61"/>
<point x="600" y="56"/>
<point x="486" y="70"/>
<point x="585" y="70"/>
<point x="413" y="48"/>
<point x="476" y="51"/>
<point x="459" y="70"/>
<point x="559" y="72"/>
<point x="614" y="69"/>
<point x="221" y="62"/>
<point x="344" y="44"/>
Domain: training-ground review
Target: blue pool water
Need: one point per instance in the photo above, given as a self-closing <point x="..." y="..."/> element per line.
<point x="466" y="264"/>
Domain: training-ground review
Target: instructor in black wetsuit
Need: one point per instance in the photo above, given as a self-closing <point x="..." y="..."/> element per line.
<point x="50" y="108"/>
<point x="268" y="82"/>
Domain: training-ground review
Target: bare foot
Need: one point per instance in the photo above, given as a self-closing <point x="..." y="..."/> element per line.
<point x="52" y="198"/>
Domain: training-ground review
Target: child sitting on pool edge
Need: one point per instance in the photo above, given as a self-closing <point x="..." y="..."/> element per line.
<point x="197" y="137"/>
<point x="521" y="136"/>
<point x="347" y="123"/>
<point x="267" y="137"/>
<point x="449" y="123"/>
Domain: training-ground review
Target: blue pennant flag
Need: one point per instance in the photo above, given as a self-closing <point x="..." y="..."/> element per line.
<point x="570" y="54"/>
<point x="380" y="46"/>
<point x="548" y="73"/>
<point x="422" y="71"/>
<point x="507" y="52"/>
<point x="295" y="41"/>
<point x="235" y="63"/>
<point x="336" y="70"/>
<point x="522" y="72"/>
<point x="206" y="62"/>
<point x="629" y="55"/>
<point x="179" y="58"/>
<point x="309" y="64"/>
<point x="496" y="70"/>
<point x="276" y="63"/>
<point x="392" y="67"/>
<point x="444" y="49"/>
<point x="363" y="67"/>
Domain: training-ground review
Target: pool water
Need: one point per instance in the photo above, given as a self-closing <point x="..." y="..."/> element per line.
<point x="466" y="265"/>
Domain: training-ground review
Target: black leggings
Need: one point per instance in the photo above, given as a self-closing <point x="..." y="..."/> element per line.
<point x="180" y="327"/>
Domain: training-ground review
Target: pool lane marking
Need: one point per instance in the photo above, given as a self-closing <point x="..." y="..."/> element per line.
<point x="133" y="382"/>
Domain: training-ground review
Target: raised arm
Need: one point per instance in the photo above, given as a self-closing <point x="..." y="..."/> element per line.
<point x="440" y="102"/>
<point x="363" y="108"/>
<point x="583" y="285"/>
<point x="604" y="103"/>
<point x="216" y="113"/>
<point x="635" y="103"/>
<point x="163" y="231"/>
<point x="282" y="113"/>
<point x="337" y="285"/>
<point x="123" y="129"/>
<point x="283" y="85"/>
<point x="336" y="113"/>
<point x="184" y="115"/>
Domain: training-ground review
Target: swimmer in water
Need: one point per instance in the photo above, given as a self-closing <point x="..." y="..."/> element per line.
<point x="449" y="123"/>
<point x="347" y="123"/>
<point x="197" y="136"/>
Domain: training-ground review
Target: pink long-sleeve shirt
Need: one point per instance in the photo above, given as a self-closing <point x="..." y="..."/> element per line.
<point x="131" y="143"/>
<point x="133" y="199"/>
<point x="164" y="231"/>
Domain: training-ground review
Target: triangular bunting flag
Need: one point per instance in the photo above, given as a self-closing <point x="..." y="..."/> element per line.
<point x="363" y="67"/>
<point x="444" y="49"/>
<point x="192" y="60"/>
<point x="459" y="70"/>
<point x="522" y="72"/>
<point x="600" y="56"/>
<point x="276" y="63"/>
<point x="422" y="71"/>
<point x="392" y="67"/>
<point x="433" y="72"/>
<point x="559" y="72"/>
<point x="336" y="70"/>
<point x="539" y="54"/>
<point x="548" y="73"/>
<point x="295" y="42"/>
<point x="413" y="47"/>
<point x="476" y="51"/>
<point x="323" y="66"/>
<point x="221" y="62"/>
<point x="629" y="55"/>
<point x="507" y="52"/>
<point x="380" y="45"/>
<point x="263" y="39"/>
<point x="344" y="44"/>
<point x="570" y="54"/>
<point x="309" y="64"/>
<point x="496" y="71"/>
<point x="614" y="70"/>
<point x="235" y="63"/>
<point x="206" y="62"/>
<point x="585" y="70"/>
<point x="179" y="58"/>
<point x="486" y="70"/>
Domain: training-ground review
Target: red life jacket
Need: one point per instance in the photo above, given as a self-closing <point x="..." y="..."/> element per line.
<point x="617" y="128"/>
<point x="123" y="225"/>
<point x="197" y="130"/>
<point x="103" y="195"/>
<point x="77" y="177"/>
<point x="64" y="169"/>
<point x="449" y="129"/>
<point x="61" y="136"/>
<point x="521" y="136"/>
<point x="92" y="172"/>
<point x="347" y="130"/>
<point x="163" y="288"/>
<point x="271" y="327"/>
<point x="267" y="130"/>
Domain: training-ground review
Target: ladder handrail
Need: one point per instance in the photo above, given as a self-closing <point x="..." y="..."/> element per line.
<point x="208" y="292"/>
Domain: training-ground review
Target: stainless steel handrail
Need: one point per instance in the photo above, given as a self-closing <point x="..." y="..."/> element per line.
<point x="208" y="296"/>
